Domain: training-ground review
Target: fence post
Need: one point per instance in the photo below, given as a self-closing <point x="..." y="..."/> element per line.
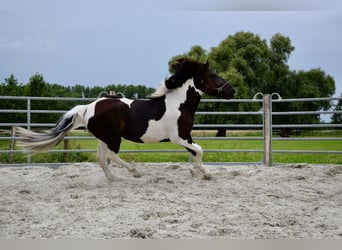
<point x="11" y="147"/>
<point x="66" y="143"/>
<point x="29" y="123"/>
<point x="267" y="120"/>
<point x="28" y="118"/>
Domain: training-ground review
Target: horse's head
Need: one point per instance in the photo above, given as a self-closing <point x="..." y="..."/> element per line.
<point x="205" y="79"/>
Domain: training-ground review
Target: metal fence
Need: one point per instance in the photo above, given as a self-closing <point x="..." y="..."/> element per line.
<point x="266" y="126"/>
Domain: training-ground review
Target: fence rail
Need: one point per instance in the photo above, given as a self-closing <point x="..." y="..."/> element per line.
<point x="267" y="127"/>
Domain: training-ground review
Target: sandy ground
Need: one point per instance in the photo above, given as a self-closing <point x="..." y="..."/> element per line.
<point x="243" y="202"/>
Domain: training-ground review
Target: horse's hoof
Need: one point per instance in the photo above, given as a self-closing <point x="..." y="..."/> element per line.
<point x="110" y="179"/>
<point x="193" y="172"/>
<point x="137" y="174"/>
<point x="207" y="176"/>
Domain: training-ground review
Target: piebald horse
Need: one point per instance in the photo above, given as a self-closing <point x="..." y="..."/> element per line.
<point x="167" y="115"/>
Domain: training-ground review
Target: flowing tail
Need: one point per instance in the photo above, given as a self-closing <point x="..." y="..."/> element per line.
<point x="33" y="142"/>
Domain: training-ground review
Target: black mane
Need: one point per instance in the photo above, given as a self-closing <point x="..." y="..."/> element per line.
<point x="184" y="69"/>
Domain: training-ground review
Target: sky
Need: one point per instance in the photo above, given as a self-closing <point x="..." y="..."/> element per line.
<point x="102" y="42"/>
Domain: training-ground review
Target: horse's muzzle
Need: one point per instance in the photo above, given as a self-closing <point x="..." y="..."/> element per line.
<point x="226" y="91"/>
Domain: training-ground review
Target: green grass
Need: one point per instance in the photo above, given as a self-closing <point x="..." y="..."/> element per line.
<point x="183" y="156"/>
<point x="308" y="158"/>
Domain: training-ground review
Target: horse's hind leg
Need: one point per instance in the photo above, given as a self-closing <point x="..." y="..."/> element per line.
<point x="102" y="156"/>
<point x="115" y="158"/>
<point x="112" y="147"/>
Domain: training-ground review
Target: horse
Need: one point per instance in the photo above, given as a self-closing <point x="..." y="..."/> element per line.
<point x="166" y="115"/>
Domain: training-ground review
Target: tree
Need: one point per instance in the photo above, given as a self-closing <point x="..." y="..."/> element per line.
<point x="56" y="90"/>
<point x="130" y="91"/>
<point x="252" y="65"/>
<point x="37" y="86"/>
<point x="11" y="87"/>
<point x="246" y="54"/>
<point x="337" y="118"/>
<point x="234" y="59"/>
<point x="303" y="84"/>
<point x="279" y="72"/>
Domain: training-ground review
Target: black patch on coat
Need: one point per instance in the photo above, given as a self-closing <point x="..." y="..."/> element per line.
<point x="114" y="119"/>
<point x="140" y="113"/>
<point x="165" y="140"/>
<point x="188" y="109"/>
<point x="109" y="122"/>
<point x="191" y="151"/>
<point x="186" y="119"/>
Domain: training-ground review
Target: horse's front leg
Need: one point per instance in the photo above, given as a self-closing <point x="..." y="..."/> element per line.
<point x="197" y="153"/>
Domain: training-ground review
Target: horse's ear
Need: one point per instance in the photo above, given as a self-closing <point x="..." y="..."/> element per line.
<point x="207" y="64"/>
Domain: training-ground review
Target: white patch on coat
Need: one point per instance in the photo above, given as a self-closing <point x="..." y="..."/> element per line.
<point x="126" y="101"/>
<point x="90" y="111"/>
<point x="167" y="126"/>
<point x="160" y="91"/>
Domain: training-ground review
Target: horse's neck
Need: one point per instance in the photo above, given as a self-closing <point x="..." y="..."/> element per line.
<point x="186" y="97"/>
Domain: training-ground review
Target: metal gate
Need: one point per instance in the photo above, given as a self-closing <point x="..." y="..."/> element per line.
<point x="267" y="127"/>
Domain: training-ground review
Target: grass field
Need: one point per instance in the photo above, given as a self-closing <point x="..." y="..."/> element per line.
<point x="183" y="156"/>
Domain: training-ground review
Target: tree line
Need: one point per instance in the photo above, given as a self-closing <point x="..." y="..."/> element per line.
<point x="38" y="87"/>
<point x="251" y="64"/>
